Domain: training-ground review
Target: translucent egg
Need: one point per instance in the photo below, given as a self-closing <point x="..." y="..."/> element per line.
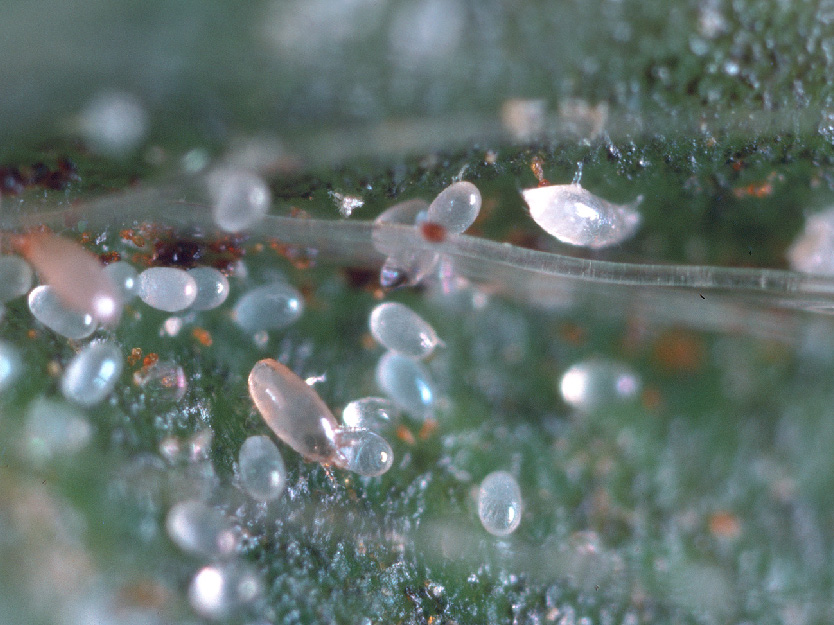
<point x="499" y="503"/>
<point x="212" y="288"/>
<point x="262" y="471"/>
<point x="125" y="277"/>
<point x="575" y="216"/>
<point x="813" y="250"/>
<point x="369" y="413"/>
<point x="293" y="410"/>
<point x="93" y="373"/>
<point x="167" y="288"/>
<point x="363" y="452"/>
<point x="400" y="329"/>
<point x="270" y="307"/>
<point x="596" y="383"/>
<point x="54" y="428"/>
<point x="47" y="308"/>
<point x="407" y="382"/>
<point x="409" y="212"/>
<point x="240" y="199"/>
<point x="15" y="277"/>
<point x="201" y="530"/>
<point x="404" y="266"/>
<point x="456" y="207"/>
<point x="114" y="123"/>
<point x="218" y="591"/>
<point x="76" y="275"/>
<point x="10" y="365"/>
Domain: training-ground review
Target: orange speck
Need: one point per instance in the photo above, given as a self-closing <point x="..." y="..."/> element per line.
<point x="428" y="428"/>
<point x="572" y="333"/>
<point x="258" y="247"/>
<point x="368" y="341"/>
<point x="150" y="359"/>
<point x="142" y="259"/>
<point x="144" y="594"/>
<point x="724" y="524"/>
<point x="537" y="165"/>
<point x="32" y="334"/>
<point x="302" y="263"/>
<point x="203" y="336"/>
<point x="405" y="435"/>
<point x="109" y="257"/>
<point x="135" y="356"/>
<point x="85" y="238"/>
<point x="651" y="398"/>
<point x="435" y="233"/>
<point x="756" y="189"/>
<point x="679" y="351"/>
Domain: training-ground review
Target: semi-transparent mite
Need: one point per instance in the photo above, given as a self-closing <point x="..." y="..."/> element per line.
<point x="576" y="216"/>
<point x="299" y="417"/>
<point x="76" y="275"/>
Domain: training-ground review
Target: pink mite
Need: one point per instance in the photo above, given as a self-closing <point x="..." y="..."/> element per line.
<point x="76" y="275"/>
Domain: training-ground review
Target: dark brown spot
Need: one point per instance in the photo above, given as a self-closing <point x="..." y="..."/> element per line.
<point x="433" y="232"/>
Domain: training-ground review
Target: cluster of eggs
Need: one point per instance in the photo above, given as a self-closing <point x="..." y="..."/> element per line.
<point x="78" y="295"/>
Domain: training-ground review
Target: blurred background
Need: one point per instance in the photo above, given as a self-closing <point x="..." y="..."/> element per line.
<point x="705" y="497"/>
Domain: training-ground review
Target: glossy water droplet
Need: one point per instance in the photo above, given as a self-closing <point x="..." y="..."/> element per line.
<point x="93" y="373"/>
<point x="407" y="382"/>
<point x="53" y="428"/>
<point x="293" y="410"/>
<point x="456" y="207"/>
<point x="369" y="413"/>
<point x="212" y="288"/>
<point x="576" y="216"/>
<point x="499" y="503"/>
<point x="218" y="591"/>
<point x="240" y="199"/>
<point x="201" y="530"/>
<point x="363" y="452"/>
<point x="400" y="329"/>
<point x="76" y="275"/>
<point x="162" y="382"/>
<point x="262" y="471"/>
<point x="47" y="308"/>
<point x="270" y="307"/>
<point x="596" y="383"/>
<point x="167" y="288"/>
<point x="10" y="365"/>
<point x="125" y="277"/>
<point x="15" y="277"/>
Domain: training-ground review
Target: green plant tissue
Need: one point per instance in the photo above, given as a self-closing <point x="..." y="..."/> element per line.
<point x="657" y="401"/>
